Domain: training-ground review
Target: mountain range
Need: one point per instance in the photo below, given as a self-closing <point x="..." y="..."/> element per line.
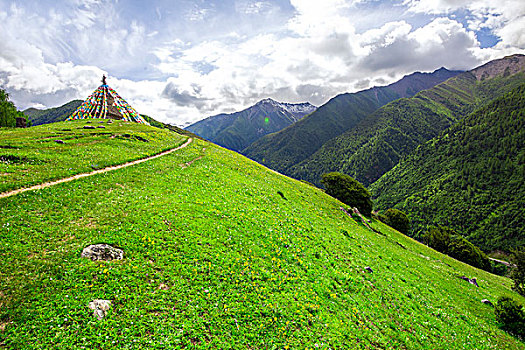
<point x="377" y="143"/>
<point x="282" y="150"/>
<point x="238" y="130"/>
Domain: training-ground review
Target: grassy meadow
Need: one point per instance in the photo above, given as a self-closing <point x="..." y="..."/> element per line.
<point x="32" y="156"/>
<point x="219" y="252"/>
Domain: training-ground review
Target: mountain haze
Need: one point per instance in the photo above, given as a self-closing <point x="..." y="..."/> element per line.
<point x="238" y="130"/>
<point x="375" y="144"/>
<point x="282" y="150"/>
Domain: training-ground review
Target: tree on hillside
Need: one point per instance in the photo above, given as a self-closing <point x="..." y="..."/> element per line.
<point x="348" y="191"/>
<point x="518" y="272"/>
<point x="396" y="219"/>
<point x="8" y="112"/>
<point x="438" y="238"/>
<point x="510" y="315"/>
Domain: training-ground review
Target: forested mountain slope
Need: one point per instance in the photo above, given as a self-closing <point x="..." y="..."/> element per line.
<point x="52" y="115"/>
<point x="469" y="178"/>
<point x="238" y="130"/>
<point x="378" y="142"/>
<point x="282" y="150"/>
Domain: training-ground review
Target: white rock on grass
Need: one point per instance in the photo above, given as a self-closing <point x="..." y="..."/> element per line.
<point x="100" y="307"/>
<point x="102" y="252"/>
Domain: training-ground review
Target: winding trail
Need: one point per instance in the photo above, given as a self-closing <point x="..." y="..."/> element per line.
<point x="100" y="171"/>
<point x="506" y="263"/>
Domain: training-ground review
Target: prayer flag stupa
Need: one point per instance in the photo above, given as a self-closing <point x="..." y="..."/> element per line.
<point x="105" y="103"/>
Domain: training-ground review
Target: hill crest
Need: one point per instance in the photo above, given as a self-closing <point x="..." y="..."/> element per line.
<point x="508" y="65"/>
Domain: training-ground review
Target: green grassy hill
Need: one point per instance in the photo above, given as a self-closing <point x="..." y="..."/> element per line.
<point x="377" y="143"/>
<point x="220" y="252"/>
<point x="282" y="150"/>
<point x="52" y="115"/>
<point x="469" y="178"/>
<point x="32" y="156"/>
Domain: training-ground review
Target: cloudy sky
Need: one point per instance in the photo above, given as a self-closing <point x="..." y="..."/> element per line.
<point x="182" y="60"/>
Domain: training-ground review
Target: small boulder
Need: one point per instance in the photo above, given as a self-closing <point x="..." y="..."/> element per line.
<point x="101" y="127"/>
<point x="473" y="281"/>
<point x="486" y="301"/>
<point x="469" y="280"/>
<point x="89" y="127"/>
<point x="100" y="307"/>
<point x="368" y="269"/>
<point x="102" y="252"/>
<point x="59" y="141"/>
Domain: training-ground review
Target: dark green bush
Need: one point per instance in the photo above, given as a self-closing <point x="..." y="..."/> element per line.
<point x="396" y="219"/>
<point x="438" y="238"/>
<point x="510" y="315"/>
<point x="348" y="191"/>
<point x="499" y="269"/>
<point x="461" y="249"/>
<point x="518" y="273"/>
<point x="447" y="241"/>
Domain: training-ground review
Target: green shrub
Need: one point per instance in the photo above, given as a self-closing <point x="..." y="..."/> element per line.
<point x="499" y="269"/>
<point x="348" y="191"/>
<point x="396" y="219"/>
<point x="461" y="249"/>
<point x="510" y="315"/>
<point x="518" y="273"/>
<point x="447" y="241"/>
<point x="438" y="238"/>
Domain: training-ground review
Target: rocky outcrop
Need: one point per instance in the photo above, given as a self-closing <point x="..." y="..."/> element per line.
<point x="102" y="252"/>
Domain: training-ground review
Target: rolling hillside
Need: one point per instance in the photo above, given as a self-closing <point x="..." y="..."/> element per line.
<point x="238" y="130"/>
<point x="377" y="143"/>
<point x="282" y="150"/>
<point x="469" y="178"/>
<point x="219" y="252"/>
<point x="52" y="115"/>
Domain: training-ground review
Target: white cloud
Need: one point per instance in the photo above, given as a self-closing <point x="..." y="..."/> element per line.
<point x="504" y="18"/>
<point x="50" y="57"/>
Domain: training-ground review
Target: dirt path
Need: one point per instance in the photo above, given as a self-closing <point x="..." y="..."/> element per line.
<point x="506" y="263"/>
<point x="100" y="171"/>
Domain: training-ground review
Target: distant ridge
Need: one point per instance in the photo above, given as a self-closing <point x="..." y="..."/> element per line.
<point x="505" y="66"/>
<point x="377" y="143"/>
<point x="238" y="130"/>
<point x="52" y="115"/>
<point x="282" y="150"/>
